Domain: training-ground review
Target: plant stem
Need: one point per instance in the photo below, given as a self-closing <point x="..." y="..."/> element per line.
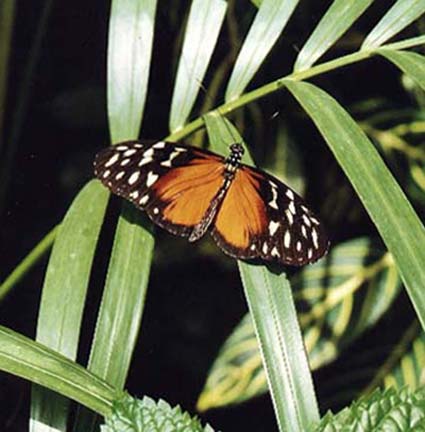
<point x="278" y="84"/>
<point x="27" y="263"/>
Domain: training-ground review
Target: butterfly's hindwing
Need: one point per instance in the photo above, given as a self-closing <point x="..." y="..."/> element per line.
<point x="280" y="226"/>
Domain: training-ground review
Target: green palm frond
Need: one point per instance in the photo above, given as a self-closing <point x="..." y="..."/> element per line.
<point x="129" y="62"/>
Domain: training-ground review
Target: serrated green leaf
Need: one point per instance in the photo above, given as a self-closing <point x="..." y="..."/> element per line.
<point x="388" y="207"/>
<point x="339" y="298"/>
<point x="270" y="302"/>
<point x="336" y="21"/>
<point x="146" y="415"/>
<point x="410" y="63"/>
<point x="388" y="410"/>
<point x="130" y="41"/>
<point x="202" y="30"/>
<point x="64" y="293"/>
<point x="401" y="14"/>
<point x="30" y="360"/>
<point x="268" y="24"/>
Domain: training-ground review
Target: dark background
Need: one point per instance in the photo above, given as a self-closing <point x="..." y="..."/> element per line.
<point x="192" y="303"/>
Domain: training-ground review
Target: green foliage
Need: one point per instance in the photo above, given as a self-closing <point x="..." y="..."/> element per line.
<point x="337" y="298"/>
<point x="65" y="288"/>
<point x="41" y="365"/>
<point x="389" y="410"/>
<point x="146" y="415"/>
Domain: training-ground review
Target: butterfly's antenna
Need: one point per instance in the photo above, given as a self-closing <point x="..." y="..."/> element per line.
<point x="209" y="98"/>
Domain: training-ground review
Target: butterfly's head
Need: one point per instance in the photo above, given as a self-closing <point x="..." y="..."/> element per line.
<point x="237" y="150"/>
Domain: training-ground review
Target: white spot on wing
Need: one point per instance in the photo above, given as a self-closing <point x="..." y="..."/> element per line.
<point x="292" y="207"/>
<point x="129" y="153"/>
<point x="145" y="160"/>
<point x="275" y="252"/>
<point x="252" y="247"/>
<point x="273" y="202"/>
<point x="287" y="239"/>
<point x="159" y="145"/>
<point x="290" y="194"/>
<point x="144" y="199"/>
<point x="265" y="248"/>
<point x="134" y="194"/>
<point x="289" y="217"/>
<point x="304" y="230"/>
<point x="156" y="210"/>
<point x="309" y="253"/>
<point x="112" y="160"/>
<point x="273" y="226"/>
<point x="167" y="163"/>
<point x="134" y="177"/>
<point x="125" y="162"/>
<point x="149" y="153"/>
<point x="106" y="173"/>
<point x="151" y="179"/>
<point x="306" y="220"/>
<point x="122" y="147"/>
<point x="314" y="220"/>
<point x="315" y="238"/>
<point x="120" y="175"/>
<point x="299" y="246"/>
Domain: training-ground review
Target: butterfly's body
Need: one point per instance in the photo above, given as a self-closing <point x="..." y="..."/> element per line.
<point x="189" y="191"/>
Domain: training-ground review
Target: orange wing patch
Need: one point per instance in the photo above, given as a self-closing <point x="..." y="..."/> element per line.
<point x="241" y="218"/>
<point x="186" y="192"/>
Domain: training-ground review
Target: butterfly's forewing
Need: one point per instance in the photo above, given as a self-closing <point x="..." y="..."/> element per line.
<point x="173" y="183"/>
<point x="262" y="217"/>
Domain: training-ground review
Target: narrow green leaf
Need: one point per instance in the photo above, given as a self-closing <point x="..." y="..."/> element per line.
<point x="412" y="64"/>
<point x="401" y="14"/>
<point x="268" y="24"/>
<point x="273" y="312"/>
<point x="122" y="305"/>
<point x="340" y="297"/>
<point x="382" y="197"/>
<point x="126" y="283"/>
<point x="130" y="41"/>
<point x="205" y="20"/>
<point x="64" y="294"/>
<point x="135" y="415"/>
<point x="27" y="359"/>
<point x="336" y="21"/>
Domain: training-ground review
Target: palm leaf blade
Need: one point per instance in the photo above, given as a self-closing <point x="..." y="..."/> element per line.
<point x="382" y="197"/>
<point x="336" y="21"/>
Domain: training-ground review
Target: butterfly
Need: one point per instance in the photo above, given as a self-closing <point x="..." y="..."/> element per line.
<point x="189" y="191"/>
